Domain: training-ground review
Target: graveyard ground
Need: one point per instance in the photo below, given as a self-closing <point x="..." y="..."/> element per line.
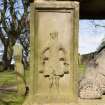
<point x="8" y="94"/>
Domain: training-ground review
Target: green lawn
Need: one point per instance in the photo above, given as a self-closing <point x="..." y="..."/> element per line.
<point x="8" y="79"/>
<point x="10" y="98"/>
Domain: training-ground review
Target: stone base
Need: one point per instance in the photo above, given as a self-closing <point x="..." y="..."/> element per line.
<point x="79" y="102"/>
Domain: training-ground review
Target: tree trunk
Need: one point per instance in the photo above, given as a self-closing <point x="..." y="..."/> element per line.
<point x="7" y="56"/>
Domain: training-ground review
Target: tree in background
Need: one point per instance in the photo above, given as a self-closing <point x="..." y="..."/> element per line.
<point x="14" y="24"/>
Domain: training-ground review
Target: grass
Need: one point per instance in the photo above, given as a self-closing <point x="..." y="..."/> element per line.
<point x="11" y="98"/>
<point x="82" y="69"/>
<point x="8" y="79"/>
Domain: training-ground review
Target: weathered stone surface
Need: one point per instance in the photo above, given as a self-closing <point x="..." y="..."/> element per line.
<point x="92" y="85"/>
<point x="54" y="52"/>
<point x="19" y="69"/>
<point x="57" y="4"/>
<point x="79" y="102"/>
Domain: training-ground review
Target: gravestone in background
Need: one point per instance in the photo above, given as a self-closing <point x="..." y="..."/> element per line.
<point x="54" y="52"/>
<point x="19" y="68"/>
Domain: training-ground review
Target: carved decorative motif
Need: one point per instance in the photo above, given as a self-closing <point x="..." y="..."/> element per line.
<point x="54" y="61"/>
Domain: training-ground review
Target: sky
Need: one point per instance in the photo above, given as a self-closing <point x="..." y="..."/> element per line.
<point x="90" y="36"/>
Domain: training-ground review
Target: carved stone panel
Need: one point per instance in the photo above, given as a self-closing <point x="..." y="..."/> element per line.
<point x="54" y="52"/>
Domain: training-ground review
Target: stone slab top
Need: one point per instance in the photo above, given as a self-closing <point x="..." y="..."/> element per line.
<point x="56" y="4"/>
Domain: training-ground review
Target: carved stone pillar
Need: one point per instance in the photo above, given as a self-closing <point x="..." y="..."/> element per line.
<point x="54" y="52"/>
